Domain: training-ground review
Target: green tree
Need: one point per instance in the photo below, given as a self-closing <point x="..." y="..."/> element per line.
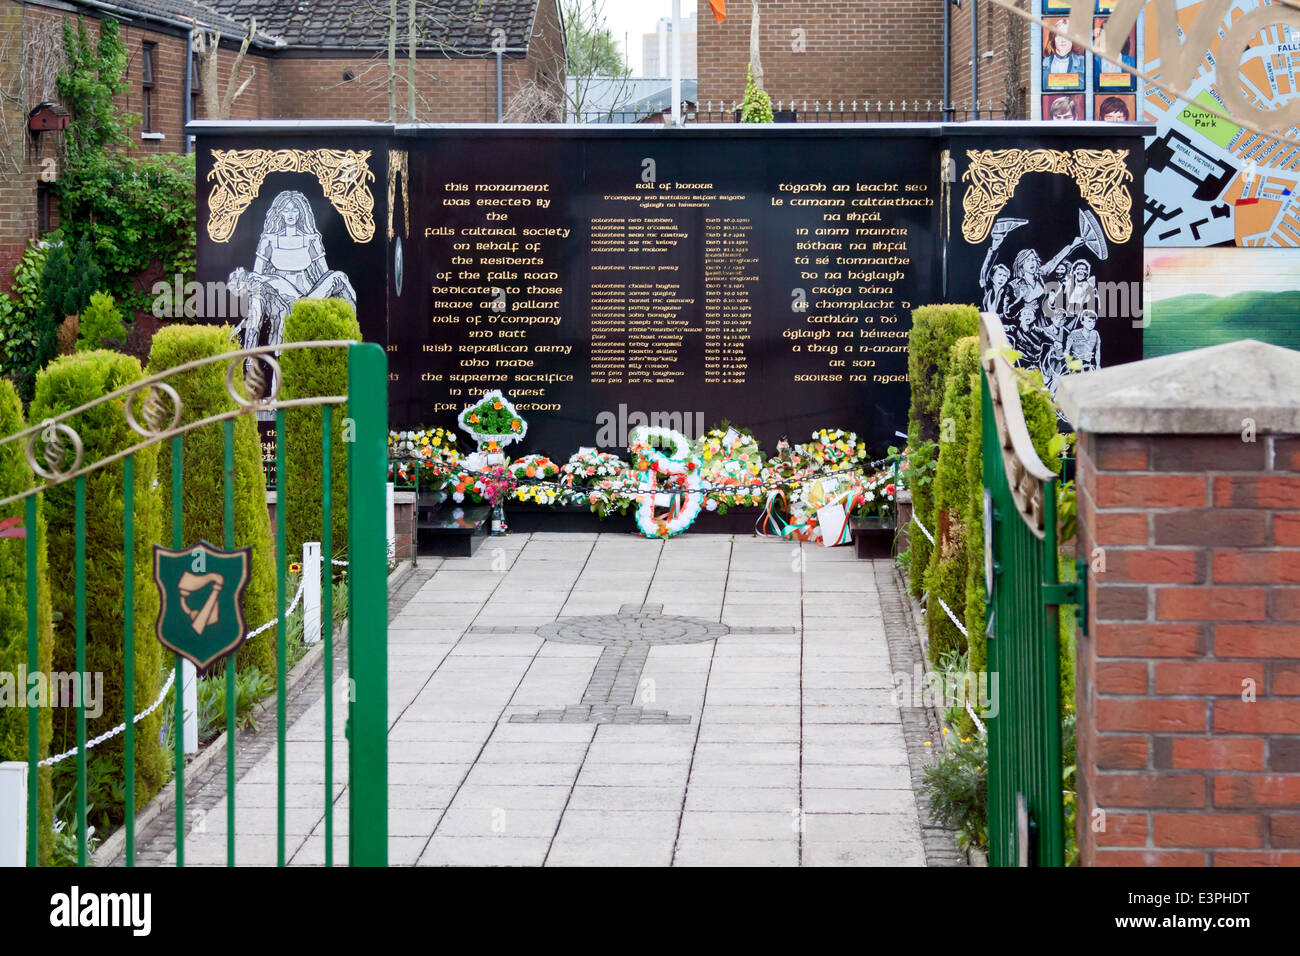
<point x="307" y="373"/>
<point x="934" y="330"/>
<point x="67" y="283"/>
<point x="16" y="477"/>
<point x="592" y="48"/>
<point x="101" y="324"/>
<point x="70" y="382"/>
<point x="203" y="394"/>
<point x="945" y="577"/>
<point x="137" y="213"/>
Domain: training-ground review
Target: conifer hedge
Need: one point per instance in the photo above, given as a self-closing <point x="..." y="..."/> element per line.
<point x="16" y="477"/>
<point x="66" y="383"/>
<point x="957" y="573"/>
<point x="935" y="328"/>
<point x="203" y="394"/>
<point x="946" y="572"/>
<point x="313" y="372"/>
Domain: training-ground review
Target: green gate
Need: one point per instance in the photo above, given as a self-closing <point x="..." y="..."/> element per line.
<point x="1024" y="596"/>
<point x="152" y="409"/>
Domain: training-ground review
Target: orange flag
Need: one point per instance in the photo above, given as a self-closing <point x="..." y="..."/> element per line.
<point x="719" y="9"/>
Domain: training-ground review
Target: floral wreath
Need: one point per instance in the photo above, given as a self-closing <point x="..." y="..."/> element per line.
<point x="536" y="480"/>
<point x="677" y="474"/>
<point x="493" y="422"/>
<point x="832" y="449"/>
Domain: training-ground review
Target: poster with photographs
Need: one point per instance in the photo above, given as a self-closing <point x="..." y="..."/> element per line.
<point x="1116" y="108"/>
<point x="1064" y="66"/>
<point x="1108" y="77"/>
<point x="1063" y="107"/>
<point x="1071" y="82"/>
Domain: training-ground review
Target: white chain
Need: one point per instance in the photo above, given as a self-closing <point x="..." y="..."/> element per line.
<point x="922" y="527"/>
<point x="952" y="617"/>
<point x="171" y="678"/>
<point x="971" y="711"/>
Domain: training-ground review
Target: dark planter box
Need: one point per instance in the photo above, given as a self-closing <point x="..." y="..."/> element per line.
<point x="872" y="537"/>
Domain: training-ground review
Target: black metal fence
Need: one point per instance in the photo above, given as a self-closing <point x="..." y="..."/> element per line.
<point x="810" y="111"/>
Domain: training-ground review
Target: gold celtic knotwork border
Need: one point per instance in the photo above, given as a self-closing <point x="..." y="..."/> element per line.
<point x="399" y="163"/>
<point x="344" y="176"/>
<point x="1101" y="175"/>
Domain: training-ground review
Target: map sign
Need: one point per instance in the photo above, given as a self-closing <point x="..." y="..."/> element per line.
<point x="1210" y="182"/>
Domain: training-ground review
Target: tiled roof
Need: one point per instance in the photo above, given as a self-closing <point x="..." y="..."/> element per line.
<point x="203" y="14"/>
<point x="452" y="26"/>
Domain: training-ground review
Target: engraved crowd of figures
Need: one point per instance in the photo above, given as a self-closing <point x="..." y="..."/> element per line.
<point x="1049" y="310"/>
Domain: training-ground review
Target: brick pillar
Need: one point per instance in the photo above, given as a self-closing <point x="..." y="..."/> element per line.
<point x="1188" y="679"/>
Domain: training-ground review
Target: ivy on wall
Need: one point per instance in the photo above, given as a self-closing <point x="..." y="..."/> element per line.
<point x="138" y="212"/>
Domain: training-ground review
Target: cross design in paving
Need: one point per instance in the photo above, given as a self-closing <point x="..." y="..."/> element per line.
<point x="625" y="639"/>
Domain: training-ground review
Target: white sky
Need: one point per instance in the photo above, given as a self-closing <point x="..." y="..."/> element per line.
<point x="633" y="18"/>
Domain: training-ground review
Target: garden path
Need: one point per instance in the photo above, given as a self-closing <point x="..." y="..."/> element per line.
<point x="718" y="701"/>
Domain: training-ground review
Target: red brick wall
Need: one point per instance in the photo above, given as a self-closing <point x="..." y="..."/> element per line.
<point x="1001" y="86"/>
<point x="1198" y="607"/>
<point x="282" y="87"/>
<point x="869" y="49"/>
<point x="450" y="91"/>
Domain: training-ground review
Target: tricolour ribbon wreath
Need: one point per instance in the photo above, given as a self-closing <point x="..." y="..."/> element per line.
<point x="665" y="479"/>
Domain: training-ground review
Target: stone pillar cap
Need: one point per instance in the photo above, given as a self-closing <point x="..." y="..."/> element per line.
<point x="1210" y="391"/>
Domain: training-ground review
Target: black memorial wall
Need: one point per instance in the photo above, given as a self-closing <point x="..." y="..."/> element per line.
<point x="608" y="277"/>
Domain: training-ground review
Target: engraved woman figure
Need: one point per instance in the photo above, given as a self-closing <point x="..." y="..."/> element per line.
<point x="289" y="265"/>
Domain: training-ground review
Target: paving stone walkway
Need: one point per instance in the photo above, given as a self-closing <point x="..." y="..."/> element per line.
<point x="567" y="699"/>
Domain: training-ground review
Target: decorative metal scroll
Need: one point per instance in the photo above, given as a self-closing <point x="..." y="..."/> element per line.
<point x="55" y="452"/>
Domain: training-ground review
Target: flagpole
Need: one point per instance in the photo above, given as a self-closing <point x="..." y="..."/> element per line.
<point x="677" y="62"/>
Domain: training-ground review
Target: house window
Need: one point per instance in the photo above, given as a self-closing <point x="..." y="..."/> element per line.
<point x="44" y="221"/>
<point x="146" y="83"/>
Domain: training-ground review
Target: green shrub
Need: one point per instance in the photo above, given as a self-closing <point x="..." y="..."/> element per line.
<point x="203" y="394"/>
<point x="309" y="372"/>
<point x="67" y="383"/>
<point x="26" y="287"/>
<point x="957" y="784"/>
<point x="139" y="212"/>
<point x="101" y="324"/>
<point x="756" y="107"/>
<point x="973" y="519"/>
<point x="69" y="279"/>
<point x="15" y="477"/>
<point x="20" y="340"/>
<point x="934" y="330"/>
<point x="22" y="330"/>
<point x="945" y="577"/>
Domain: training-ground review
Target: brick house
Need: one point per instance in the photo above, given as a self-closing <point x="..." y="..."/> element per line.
<point x="869" y="50"/>
<point x="320" y="60"/>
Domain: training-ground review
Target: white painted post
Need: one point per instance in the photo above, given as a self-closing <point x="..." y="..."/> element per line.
<point x="311" y="579"/>
<point x="392" y="523"/>
<point x="13" y="813"/>
<point x="190" y="687"/>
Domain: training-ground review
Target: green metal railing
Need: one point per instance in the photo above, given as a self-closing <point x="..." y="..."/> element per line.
<point x="1024" y="594"/>
<point x="368" y="602"/>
